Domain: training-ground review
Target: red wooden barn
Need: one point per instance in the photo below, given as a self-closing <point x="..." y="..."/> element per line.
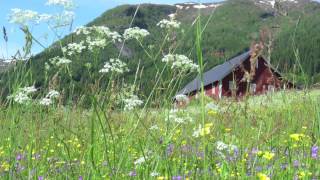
<point x="227" y="79"/>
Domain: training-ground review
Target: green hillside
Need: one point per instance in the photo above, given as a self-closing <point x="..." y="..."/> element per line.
<point x="229" y="29"/>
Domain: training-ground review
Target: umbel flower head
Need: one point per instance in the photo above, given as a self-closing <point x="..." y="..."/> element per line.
<point x="132" y="102"/>
<point x="169" y="24"/>
<point x="59" y="61"/>
<point x="180" y="62"/>
<point x="135" y="33"/>
<point x="22" y="96"/>
<point x="67" y="4"/>
<point x="48" y="100"/>
<point x="115" y="66"/>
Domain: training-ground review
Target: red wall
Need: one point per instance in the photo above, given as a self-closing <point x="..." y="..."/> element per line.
<point x="263" y="78"/>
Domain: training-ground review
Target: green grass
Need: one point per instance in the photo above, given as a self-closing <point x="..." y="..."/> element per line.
<point x="63" y="143"/>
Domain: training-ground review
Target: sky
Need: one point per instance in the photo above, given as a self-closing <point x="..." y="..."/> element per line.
<point x="86" y="11"/>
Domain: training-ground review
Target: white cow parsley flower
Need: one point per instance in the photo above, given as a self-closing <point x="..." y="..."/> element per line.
<point x="180" y="62"/>
<point x="132" y="102"/>
<point x="135" y="33"/>
<point x="140" y="161"/>
<point x="28" y="90"/>
<point x="154" y="174"/>
<point x="169" y="24"/>
<point x="59" y="61"/>
<point x="45" y="101"/>
<point x="53" y="94"/>
<point x="22" y="96"/>
<point x="67" y="4"/>
<point x="114" y="65"/>
<point x="182" y="98"/>
<point x="22" y="17"/>
<point x="99" y="32"/>
<point x="74" y="48"/>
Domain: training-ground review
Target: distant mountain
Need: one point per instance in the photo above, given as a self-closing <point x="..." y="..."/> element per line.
<point x="230" y="28"/>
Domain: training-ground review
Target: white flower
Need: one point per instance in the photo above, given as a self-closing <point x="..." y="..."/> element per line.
<point x="21" y="98"/>
<point x="139" y="161"/>
<point x="22" y="95"/>
<point x="96" y="43"/>
<point x="182" y="98"/>
<point x="197" y="132"/>
<point x="44" y="18"/>
<point x="28" y="90"/>
<point x="58" y="61"/>
<point x="74" y="48"/>
<point x="221" y="146"/>
<point x="169" y="24"/>
<point x="154" y="174"/>
<point x="180" y="62"/>
<point x="22" y="17"/>
<point x="114" y="65"/>
<point x="53" y="94"/>
<point x="67" y="4"/>
<point x="45" y="101"/>
<point x="64" y="18"/>
<point x="154" y="127"/>
<point x="178" y="117"/>
<point x="132" y="102"/>
<point x="135" y="33"/>
<point x="99" y="32"/>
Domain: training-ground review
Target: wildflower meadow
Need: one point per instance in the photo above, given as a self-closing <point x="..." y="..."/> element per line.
<point x="106" y="128"/>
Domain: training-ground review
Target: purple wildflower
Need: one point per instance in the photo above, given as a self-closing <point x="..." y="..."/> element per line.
<point x="314" y="152"/>
<point x="177" y="178"/>
<point x="19" y="157"/>
<point x="284" y="166"/>
<point x="80" y="178"/>
<point x="132" y="173"/>
<point x="40" y="178"/>
<point x="170" y="149"/>
<point x="296" y="163"/>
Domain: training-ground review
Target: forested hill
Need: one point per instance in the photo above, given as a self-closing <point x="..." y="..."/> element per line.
<point x="230" y="28"/>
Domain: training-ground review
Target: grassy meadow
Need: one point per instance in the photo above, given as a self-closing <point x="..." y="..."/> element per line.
<point x="273" y="136"/>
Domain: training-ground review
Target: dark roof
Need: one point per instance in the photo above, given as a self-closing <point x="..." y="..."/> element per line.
<point x="215" y="74"/>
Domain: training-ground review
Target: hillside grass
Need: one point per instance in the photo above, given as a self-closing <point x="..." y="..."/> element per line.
<point x="64" y="143"/>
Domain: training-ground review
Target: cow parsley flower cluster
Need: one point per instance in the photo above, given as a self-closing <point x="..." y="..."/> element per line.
<point x="74" y="48"/>
<point x="178" y="116"/>
<point x="135" y="33"/>
<point x="67" y="4"/>
<point x="99" y="31"/>
<point x="23" y="95"/>
<point x="169" y="24"/>
<point x="59" y="61"/>
<point x="132" y="102"/>
<point x="115" y="66"/>
<point x="182" y="98"/>
<point x="180" y="62"/>
<point x="48" y="100"/>
<point x="22" y="17"/>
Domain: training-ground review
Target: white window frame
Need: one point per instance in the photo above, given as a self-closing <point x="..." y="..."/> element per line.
<point x="220" y="89"/>
<point x="253" y="87"/>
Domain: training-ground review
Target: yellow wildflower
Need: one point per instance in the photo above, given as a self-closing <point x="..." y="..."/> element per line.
<point x="212" y="113"/>
<point x="227" y="130"/>
<point x="262" y="176"/>
<point x="268" y="155"/>
<point x="301" y="174"/>
<point x="297" y="137"/>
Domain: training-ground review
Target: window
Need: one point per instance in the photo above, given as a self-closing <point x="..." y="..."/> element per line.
<point x="232" y="85"/>
<point x="220" y="89"/>
<point x="253" y="88"/>
<point x="271" y="88"/>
